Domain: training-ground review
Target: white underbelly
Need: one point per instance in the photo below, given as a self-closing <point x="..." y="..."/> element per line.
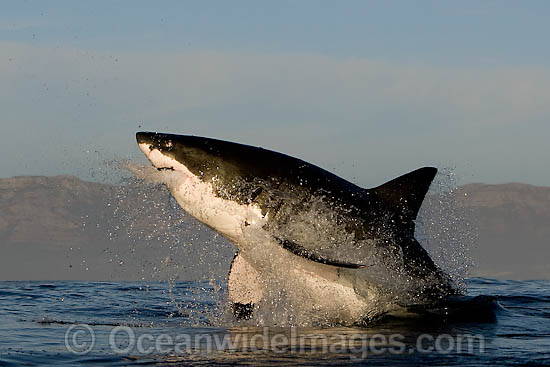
<point x="311" y="291"/>
<point x="225" y="216"/>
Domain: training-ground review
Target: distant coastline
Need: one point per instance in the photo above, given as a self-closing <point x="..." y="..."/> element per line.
<point x="62" y="227"/>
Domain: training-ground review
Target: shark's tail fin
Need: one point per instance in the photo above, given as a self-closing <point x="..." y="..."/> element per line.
<point x="406" y="193"/>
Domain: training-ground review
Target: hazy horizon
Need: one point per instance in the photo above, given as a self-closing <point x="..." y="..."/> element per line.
<point x="368" y="90"/>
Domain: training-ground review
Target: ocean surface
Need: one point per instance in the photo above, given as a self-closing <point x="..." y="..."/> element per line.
<point x="143" y="323"/>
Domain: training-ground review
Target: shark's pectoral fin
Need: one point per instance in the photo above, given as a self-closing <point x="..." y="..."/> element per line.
<point x="244" y="287"/>
<point x="296" y="249"/>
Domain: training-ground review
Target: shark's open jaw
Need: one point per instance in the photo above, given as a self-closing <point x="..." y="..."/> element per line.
<point x="161" y="161"/>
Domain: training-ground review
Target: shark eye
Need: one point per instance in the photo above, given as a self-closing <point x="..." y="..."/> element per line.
<point x="151" y="147"/>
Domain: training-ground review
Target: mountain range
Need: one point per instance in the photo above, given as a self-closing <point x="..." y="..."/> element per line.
<point x="61" y="227"/>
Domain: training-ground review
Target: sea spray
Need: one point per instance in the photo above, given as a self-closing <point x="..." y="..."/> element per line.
<point x="192" y="248"/>
<point x="444" y="230"/>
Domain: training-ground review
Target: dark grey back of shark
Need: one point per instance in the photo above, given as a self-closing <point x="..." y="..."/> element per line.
<point x="283" y="186"/>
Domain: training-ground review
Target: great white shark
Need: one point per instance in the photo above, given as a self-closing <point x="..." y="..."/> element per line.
<point x="332" y="251"/>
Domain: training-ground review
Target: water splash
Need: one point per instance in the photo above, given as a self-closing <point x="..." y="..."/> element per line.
<point x="444" y="230"/>
<point x="152" y="238"/>
<point x="169" y="245"/>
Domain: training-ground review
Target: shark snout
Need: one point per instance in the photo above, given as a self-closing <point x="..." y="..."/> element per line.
<point x="145" y="142"/>
<point x="151" y="141"/>
<point x="164" y="142"/>
<point x="159" y="150"/>
<point x="144" y="137"/>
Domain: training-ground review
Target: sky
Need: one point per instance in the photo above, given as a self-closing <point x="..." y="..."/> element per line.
<point x="366" y="89"/>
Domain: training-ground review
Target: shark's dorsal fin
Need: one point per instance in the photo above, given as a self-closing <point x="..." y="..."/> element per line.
<point x="406" y="193"/>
